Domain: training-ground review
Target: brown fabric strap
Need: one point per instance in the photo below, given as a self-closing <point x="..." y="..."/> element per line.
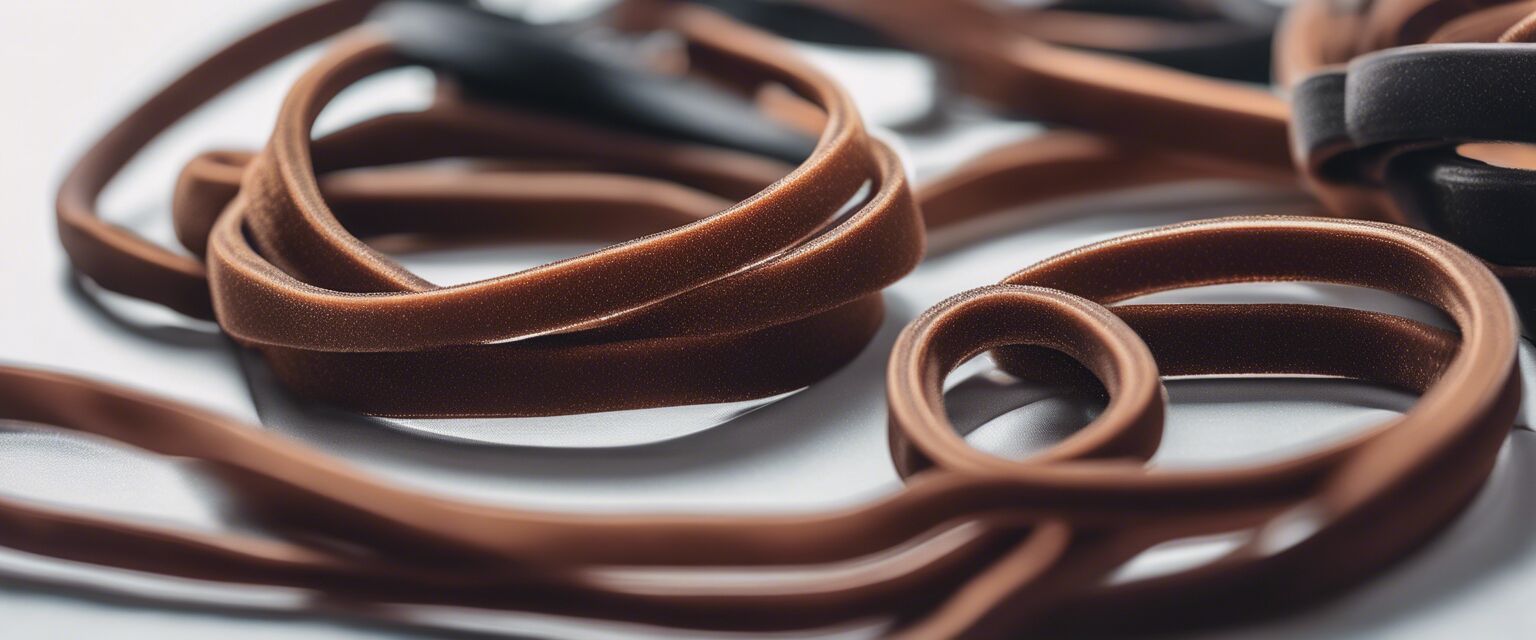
<point x="1037" y="538"/>
<point x="716" y="302"/>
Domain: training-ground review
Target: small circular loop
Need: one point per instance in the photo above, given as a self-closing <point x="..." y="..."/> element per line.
<point x="990" y="317"/>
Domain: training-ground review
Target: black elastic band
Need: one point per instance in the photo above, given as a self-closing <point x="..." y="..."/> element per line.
<point x="1396" y="119"/>
<point x="506" y="60"/>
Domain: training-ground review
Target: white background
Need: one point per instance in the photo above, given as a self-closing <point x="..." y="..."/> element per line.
<point x="72" y="66"/>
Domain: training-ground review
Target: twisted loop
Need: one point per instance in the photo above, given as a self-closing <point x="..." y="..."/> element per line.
<point x="745" y="282"/>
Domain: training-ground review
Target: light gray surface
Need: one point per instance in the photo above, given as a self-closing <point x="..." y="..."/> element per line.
<point x="74" y="65"/>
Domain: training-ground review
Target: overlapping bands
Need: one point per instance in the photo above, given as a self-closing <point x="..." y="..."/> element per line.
<point x="973" y="546"/>
<point x="745" y="282"/>
<point x="718" y="300"/>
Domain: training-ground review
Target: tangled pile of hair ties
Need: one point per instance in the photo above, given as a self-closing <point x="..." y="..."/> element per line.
<point x="768" y="222"/>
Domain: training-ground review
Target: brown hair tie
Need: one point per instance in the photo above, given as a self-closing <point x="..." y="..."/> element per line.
<point x="718" y="303"/>
<point x="974" y="546"/>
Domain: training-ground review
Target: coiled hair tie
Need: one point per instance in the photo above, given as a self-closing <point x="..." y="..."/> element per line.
<point x="973" y="546"/>
<point x="746" y="283"/>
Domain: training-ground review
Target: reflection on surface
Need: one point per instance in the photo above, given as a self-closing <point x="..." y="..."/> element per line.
<point x="585" y="430"/>
<point x="1010" y="418"/>
<point x="77" y="472"/>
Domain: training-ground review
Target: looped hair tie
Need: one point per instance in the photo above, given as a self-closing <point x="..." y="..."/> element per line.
<point x="973" y="546"/>
<point x="743" y="283"/>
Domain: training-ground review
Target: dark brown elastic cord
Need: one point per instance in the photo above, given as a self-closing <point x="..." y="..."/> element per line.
<point x="1228" y="39"/>
<point x="1224" y="39"/>
<point x="1134" y="102"/>
<point x="1141" y="124"/>
<point x="1421" y="134"/>
<point x="1059" y="164"/>
<point x="1056" y="166"/>
<point x="720" y="302"/>
<point x="1037" y="538"/>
